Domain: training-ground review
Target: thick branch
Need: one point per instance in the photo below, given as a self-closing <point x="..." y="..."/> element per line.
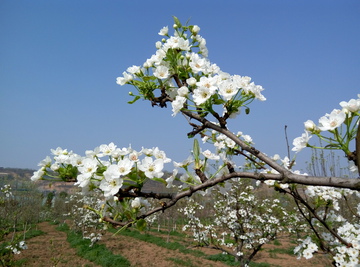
<point x="285" y="176"/>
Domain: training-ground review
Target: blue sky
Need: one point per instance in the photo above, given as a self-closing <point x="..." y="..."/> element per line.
<point x="59" y="61"/>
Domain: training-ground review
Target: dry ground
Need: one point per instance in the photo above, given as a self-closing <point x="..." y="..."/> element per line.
<point x="52" y="249"/>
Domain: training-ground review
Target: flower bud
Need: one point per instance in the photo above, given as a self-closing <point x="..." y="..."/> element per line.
<point x="195" y="29"/>
<point x="158" y="45"/>
<point x="309" y="125"/>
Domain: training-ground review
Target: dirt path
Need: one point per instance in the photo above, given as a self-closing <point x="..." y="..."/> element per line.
<point x="51" y="249"/>
<point x="144" y="254"/>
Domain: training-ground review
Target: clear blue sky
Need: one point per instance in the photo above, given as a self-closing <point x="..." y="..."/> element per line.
<point x="59" y="61"/>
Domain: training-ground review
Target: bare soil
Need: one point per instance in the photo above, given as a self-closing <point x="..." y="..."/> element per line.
<point x="52" y="249"/>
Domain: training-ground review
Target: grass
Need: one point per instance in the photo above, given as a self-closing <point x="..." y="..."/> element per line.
<point x="32" y="233"/>
<point x="160" y="242"/>
<point x="225" y="258"/>
<point x="98" y="253"/>
<point x="230" y="260"/>
<point x="180" y="262"/>
<point x="288" y="251"/>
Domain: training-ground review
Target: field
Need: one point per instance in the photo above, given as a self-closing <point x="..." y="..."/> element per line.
<point x="161" y="249"/>
<point x="54" y="244"/>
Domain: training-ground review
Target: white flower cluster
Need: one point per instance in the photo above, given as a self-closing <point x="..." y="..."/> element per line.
<point x="6" y="190"/>
<point x="86" y="220"/>
<point x="348" y="229"/>
<point x="307" y="248"/>
<point x="188" y="56"/>
<point x="239" y="216"/>
<point x="105" y="167"/>
<point x="17" y="247"/>
<point x="329" y="122"/>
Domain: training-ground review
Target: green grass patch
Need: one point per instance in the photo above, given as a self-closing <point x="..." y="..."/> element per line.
<point x="230" y="260"/>
<point x="33" y="233"/>
<point x="277" y="242"/>
<point x="180" y="262"/>
<point x="225" y="258"/>
<point x="159" y="241"/>
<point x="259" y="264"/>
<point x="98" y="253"/>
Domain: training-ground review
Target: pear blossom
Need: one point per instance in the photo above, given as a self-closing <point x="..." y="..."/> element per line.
<point x="118" y="153"/>
<point x="248" y="138"/>
<point x="134" y="69"/>
<point x="178" y="104"/>
<point x="331" y="121"/>
<point x="124" y="166"/>
<point x="255" y="90"/>
<point x="310" y="126"/>
<point x="198" y="64"/>
<point x="59" y="151"/>
<point x="227" y="89"/>
<point x="89" y="166"/>
<point x="107" y="149"/>
<point x="301" y="142"/>
<point x="134" y="156"/>
<point x="37" y="175"/>
<point x="158" y="45"/>
<point x="184" y="163"/>
<point x="125" y="79"/>
<point x="208" y="82"/>
<point x="352" y="106"/>
<point x="195" y="29"/>
<point x="241" y="81"/>
<point x="208" y="154"/>
<point x="83" y="180"/>
<point x="191" y="81"/>
<point x="160" y="154"/>
<point x="176" y="43"/>
<point x="164" y="31"/>
<point x="171" y="178"/>
<point x="202" y="94"/>
<point x="156" y="59"/>
<point x="162" y="72"/>
<point x="135" y="203"/>
<point x="152" y="168"/>
<point x="183" y="91"/>
<point x="110" y="186"/>
<point x="45" y="162"/>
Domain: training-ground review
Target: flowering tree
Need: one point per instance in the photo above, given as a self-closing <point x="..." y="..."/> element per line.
<point x="180" y="74"/>
<point x="8" y="248"/>
<point x="243" y="222"/>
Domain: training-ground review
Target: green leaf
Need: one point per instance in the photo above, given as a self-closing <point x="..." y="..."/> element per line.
<point x="196" y="153"/>
<point x="177" y="22"/>
<point x="141" y="225"/>
<point x="135" y="99"/>
<point x="247" y="111"/>
<point x="149" y="78"/>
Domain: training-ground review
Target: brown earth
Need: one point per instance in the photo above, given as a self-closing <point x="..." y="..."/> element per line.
<point x="52" y="249"/>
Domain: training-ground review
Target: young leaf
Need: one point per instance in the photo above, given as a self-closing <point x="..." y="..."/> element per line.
<point x="141" y="225"/>
<point x="134" y="100"/>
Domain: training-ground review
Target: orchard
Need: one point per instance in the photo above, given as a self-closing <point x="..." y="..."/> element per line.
<point x="181" y="77"/>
